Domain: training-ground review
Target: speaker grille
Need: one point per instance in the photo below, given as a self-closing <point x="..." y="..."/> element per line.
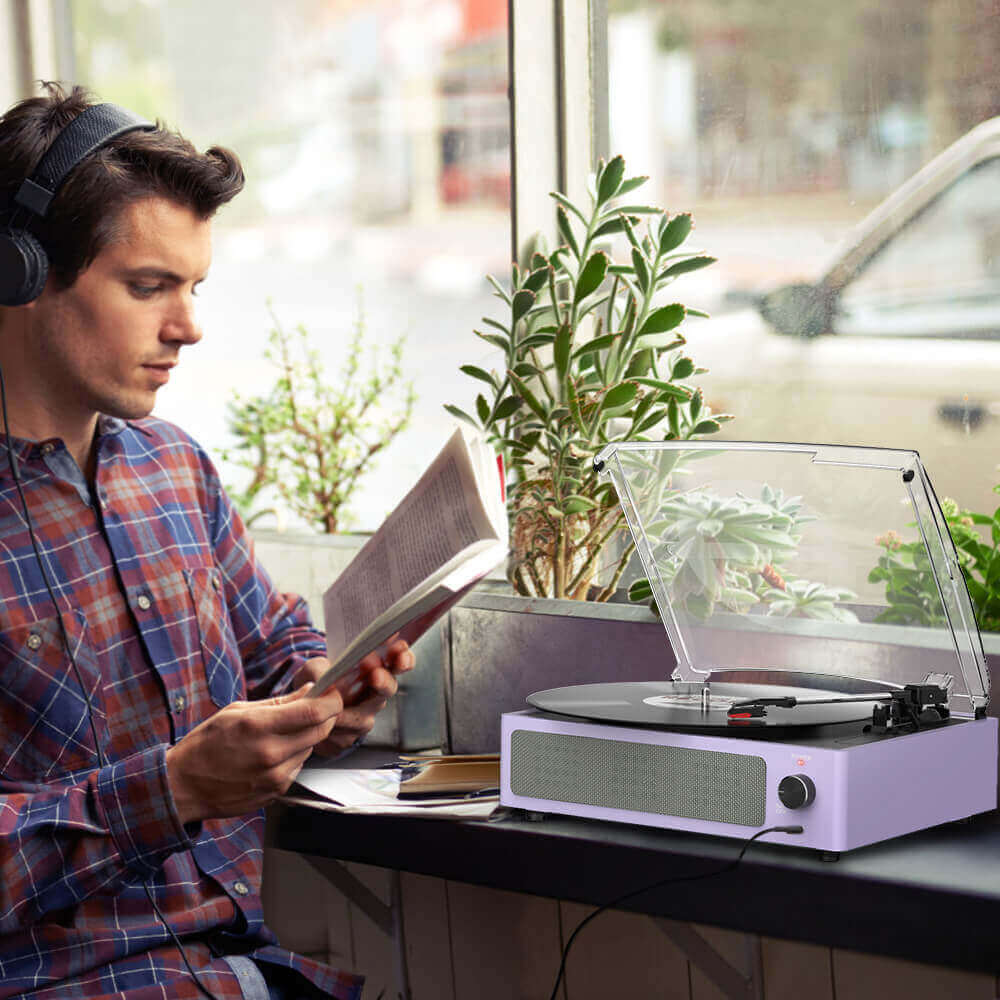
<point x="643" y="777"/>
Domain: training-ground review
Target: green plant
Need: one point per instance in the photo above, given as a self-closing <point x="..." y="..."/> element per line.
<point x="733" y="553"/>
<point x="910" y="588"/>
<point x="310" y="439"/>
<point x="591" y="355"/>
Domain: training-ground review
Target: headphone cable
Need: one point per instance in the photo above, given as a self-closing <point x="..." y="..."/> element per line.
<point x="729" y="866"/>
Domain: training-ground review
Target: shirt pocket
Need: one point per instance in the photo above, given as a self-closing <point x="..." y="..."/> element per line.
<point x="219" y="651"/>
<point x="45" y="729"/>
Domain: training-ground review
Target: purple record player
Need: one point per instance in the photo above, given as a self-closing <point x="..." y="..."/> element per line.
<point x="830" y="673"/>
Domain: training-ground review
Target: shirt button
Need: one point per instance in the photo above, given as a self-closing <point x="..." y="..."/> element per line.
<point x="216" y="583"/>
<point x="241" y="888"/>
<point x="144" y="602"/>
<point x="48" y="448"/>
<point x="34" y="641"/>
<point x="179" y="702"/>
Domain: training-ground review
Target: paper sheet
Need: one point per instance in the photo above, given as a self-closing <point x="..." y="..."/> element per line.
<point x="373" y="790"/>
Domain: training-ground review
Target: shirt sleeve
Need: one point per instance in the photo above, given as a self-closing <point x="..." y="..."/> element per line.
<point x="61" y="843"/>
<point x="274" y="631"/>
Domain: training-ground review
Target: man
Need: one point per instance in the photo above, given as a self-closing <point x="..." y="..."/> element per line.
<point x="152" y="681"/>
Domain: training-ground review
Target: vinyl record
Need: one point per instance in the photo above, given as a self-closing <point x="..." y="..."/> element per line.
<point x="676" y="705"/>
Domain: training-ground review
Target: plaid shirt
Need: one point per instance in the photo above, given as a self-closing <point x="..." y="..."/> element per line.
<point x="169" y="617"/>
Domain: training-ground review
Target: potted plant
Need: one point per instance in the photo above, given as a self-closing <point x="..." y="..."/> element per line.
<point x="592" y="353"/>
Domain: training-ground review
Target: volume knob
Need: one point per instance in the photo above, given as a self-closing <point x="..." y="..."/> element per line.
<point x="796" y="791"/>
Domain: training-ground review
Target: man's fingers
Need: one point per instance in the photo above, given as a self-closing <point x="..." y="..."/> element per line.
<point x="284" y="699"/>
<point x="297" y="713"/>
<point x="379" y="679"/>
<point x="361" y="717"/>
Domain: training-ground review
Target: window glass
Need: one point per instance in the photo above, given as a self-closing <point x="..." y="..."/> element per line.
<point x="940" y="274"/>
<point x="374" y="135"/>
<point x="781" y="125"/>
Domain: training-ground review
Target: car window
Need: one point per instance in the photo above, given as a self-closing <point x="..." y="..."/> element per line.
<point x="939" y="276"/>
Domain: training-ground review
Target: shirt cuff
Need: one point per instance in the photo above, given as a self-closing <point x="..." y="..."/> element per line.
<point x="135" y="796"/>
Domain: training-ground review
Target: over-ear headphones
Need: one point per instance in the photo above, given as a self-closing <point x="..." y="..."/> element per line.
<point x="24" y="265"/>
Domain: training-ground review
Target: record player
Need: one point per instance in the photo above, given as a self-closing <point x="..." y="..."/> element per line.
<point x="829" y="670"/>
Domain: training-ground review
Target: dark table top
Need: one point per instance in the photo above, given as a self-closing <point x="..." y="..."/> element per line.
<point x="932" y="896"/>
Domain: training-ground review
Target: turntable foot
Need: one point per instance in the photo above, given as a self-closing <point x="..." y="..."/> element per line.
<point x="829" y="855"/>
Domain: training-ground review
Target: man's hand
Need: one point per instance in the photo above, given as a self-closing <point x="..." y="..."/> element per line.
<point x="248" y="753"/>
<point x="365" y="692"/>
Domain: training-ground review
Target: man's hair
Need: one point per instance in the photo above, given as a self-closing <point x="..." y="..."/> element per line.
<point x="85" y="215"/>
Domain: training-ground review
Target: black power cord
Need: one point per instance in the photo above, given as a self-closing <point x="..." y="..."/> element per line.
<point x="101" y="759"/>
<point x="656" y="885"/>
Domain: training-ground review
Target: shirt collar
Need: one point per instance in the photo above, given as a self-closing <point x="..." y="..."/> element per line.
<point x="26" y="450"/>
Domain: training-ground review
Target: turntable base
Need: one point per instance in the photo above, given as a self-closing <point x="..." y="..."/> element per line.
<point x="845" y="788"/>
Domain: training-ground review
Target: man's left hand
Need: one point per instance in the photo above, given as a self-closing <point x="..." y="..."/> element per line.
<point x="365" y="692"/>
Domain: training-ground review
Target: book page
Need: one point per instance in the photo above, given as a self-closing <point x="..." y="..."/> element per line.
<point x="421" y="540"/>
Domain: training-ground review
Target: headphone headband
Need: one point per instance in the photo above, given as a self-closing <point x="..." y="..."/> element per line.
<point x="24" y="265"/>
<point x="90" y="130"/>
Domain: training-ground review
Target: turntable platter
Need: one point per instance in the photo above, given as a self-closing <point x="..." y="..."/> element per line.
<point x="671" y="705"/>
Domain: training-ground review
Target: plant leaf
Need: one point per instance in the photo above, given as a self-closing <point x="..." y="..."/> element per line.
<point x="521" y="303"/>
<point x="506" y="407"/>
<point x="575" y="504"/>
<point x="695" y="405"/>
<point x="591" y="275"/>
<point x="641" y="269"/>
<point x="706" y="427"/>
<point x="528" y="396"/>
<point x="536" y="340"/>
<point x="632" y="183"/>
<point x="683" y="368"/>
<point x="461" y="414"/>
<point x="560" y="350"/>
<point x="535" y="281"/>
<point x="611" y="179"/>
<point x="675" y="232"/>
<point x="500" y="290"/>
<point x="619" y="396"/>
<point x="483" y="408"/>
<point x="566" y="203"/>
<point x="566" y="231"/>
<point x="677" y="391"/>
<point x="683" y="266"/>
<point x="616" y="225"/>
<point x="496" y="324"/>
<point x="663" y="319"/>
<point x="597" y="344"/>
<point x="479" y="373"/>
<point x="491" y="338"/>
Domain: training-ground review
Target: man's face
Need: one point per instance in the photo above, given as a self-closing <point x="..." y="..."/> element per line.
<point x="108" y="342"/>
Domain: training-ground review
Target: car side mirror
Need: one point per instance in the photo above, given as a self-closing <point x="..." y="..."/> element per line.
<point x="799" y="310"/>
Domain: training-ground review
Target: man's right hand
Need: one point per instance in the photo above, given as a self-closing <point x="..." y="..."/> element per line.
<point x="248" y="753"/>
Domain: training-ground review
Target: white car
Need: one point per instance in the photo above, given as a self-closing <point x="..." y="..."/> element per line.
<point x="898" y="344"/>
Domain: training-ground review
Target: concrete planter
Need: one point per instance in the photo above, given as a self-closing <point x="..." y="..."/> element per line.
<point x="502" y="648"/>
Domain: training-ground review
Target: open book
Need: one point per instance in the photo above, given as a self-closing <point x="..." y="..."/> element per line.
<point x="445" y="535"/>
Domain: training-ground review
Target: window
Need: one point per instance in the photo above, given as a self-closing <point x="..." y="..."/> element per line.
<point x="940" y="275"/>
<point x="781" y="125"/>
<point x="375" y="140"/>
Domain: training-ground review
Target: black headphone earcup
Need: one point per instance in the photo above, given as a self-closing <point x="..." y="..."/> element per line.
<point x="24" y="268"/>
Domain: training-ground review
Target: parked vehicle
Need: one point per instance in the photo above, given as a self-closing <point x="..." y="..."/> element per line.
<point x="897" y="344"/>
